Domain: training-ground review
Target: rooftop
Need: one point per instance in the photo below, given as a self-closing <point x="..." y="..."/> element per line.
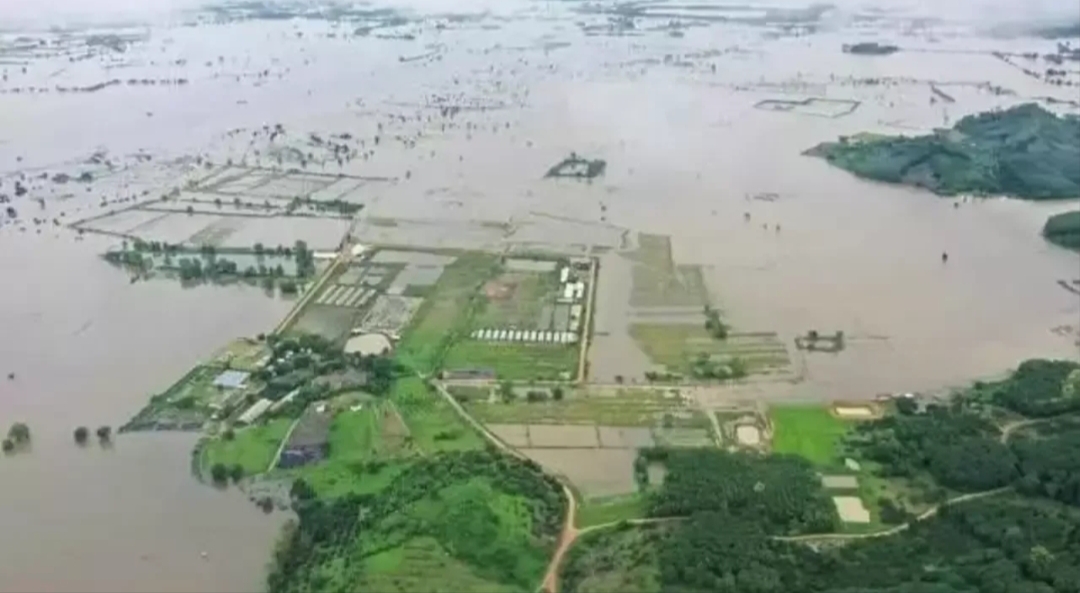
<point x="231" y="379"/>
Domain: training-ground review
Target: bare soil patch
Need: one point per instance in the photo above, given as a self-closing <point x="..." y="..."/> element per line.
<point x="515" y="435"/>
<point x="851" y="509"/>
<point x="562" y="436"/>
<point x="622" y="437"/>
<point x="595" y="472"/>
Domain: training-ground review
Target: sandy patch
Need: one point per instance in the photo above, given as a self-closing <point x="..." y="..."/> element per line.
<point x="851" y="509"/>
<point x="562" y="436"/>
<point x="596" y="472"/>
<point x="845" y="482"/>
<point x="854" y="412"/>
<point x="621" y="437"/>
<point x="515" y="435"/>
<point x="748" y="435"/>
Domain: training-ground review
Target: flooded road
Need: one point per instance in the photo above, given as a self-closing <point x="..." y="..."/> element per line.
<point x="448" y="122"/>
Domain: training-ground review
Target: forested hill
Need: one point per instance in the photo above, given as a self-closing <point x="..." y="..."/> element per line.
<point x="1024" y="152"/>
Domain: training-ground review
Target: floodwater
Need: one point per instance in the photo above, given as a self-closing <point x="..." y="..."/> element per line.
<point x="470" y="110"/>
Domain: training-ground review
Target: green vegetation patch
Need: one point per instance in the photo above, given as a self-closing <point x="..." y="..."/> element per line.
<point x="515" y="361"/>
<point x="455" y="522"/>
<point x="808" y="431"/>
<point x="253" y="448"/>
<point x="1064" y="229"/>
<point x="433" y="424"/>
<point x="782" y="492"/>
<point x="445" y="316"/>
<point x="620" y="560"/>
<point x="187" y="404"/>
<point x="1025" y="151"/>
<point x="602" y="511"/>
<point x="679" y="347"/>
<point x="517" y="300"/>
<point x="625" y="407"/>
<point x="1040" y="388"/>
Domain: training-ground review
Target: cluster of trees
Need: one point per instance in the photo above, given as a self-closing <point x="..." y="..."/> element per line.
<point x="782" y="492"/>
<point x="221" y="473"/>
<point x="298" y="362"/>
<point x="1040" y="388"/>
<point x="18" y="437"/>
<point x="448" y="498"/>
<point x="82" y="434"/>
<point x="959" y="448"/>
<point x="714" y="325"/>
<point x="992" y="545"/>
<point x="704" y="368"/>
<point x="1025" y="151"/>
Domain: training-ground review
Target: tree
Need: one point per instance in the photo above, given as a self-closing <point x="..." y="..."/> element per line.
<point x="228" y="434"/>
<point x="8" y="446"/>
<point x="506" y="390"/>
<point x="104" y="434"/>
<point x="236" y="472"/>
<point x="557" y="393"/>
<point x="81" y="434"/>
<point x="219" y="473"/>
<point x="19" y="433"/>
<point x="259" y="248"/>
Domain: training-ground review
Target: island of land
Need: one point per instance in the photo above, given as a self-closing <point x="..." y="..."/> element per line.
<point x="1025" y="151"/>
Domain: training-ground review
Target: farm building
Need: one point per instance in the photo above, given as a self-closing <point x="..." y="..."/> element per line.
<point x="309" y="441"/>
<point x="256" y="411"/>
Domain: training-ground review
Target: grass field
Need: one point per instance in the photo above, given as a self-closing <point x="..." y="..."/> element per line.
<point x="630" y="407"/>
<point x="253" y="448"/>
<point x="515" y="361"/>
<point x="675" y="346"/>
<point x="433" y="425"/>
<point x="809" y="431"/>
<point x="477" y="538"/>
<point x="331" y="479"/>
<point x="522" y="309"/>
<point x="601" y="511"/>
<point x="445" y="315"/>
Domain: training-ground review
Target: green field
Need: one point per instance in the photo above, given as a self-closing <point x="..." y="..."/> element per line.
<point x="473" y="521"/>
<point x="253" y="448"/>
<point x="515" y="361"/>
<point x="629" y="407"/>
<point x="433" y="424"/>
<point x="675" y="346"/>
<point x="603" y="511"/>
<point x="445" y="315"/>
<point x="522" y="308"/>
<point x="808" y="431"/>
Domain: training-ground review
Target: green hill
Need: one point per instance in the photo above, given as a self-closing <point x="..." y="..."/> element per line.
<point x="1025" y="151"/>
<point x="1064" y="229"/>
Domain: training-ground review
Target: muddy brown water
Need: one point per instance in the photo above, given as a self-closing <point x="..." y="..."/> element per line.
<point x="684" y="146"/>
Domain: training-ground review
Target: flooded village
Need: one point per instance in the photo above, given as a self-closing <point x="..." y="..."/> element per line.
<point x="241" y="235"/>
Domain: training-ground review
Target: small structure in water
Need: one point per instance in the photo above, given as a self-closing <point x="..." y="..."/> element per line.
<point x="577" y="167"/>
<point x="815" y="342"/>
<point x="944" y="257"/>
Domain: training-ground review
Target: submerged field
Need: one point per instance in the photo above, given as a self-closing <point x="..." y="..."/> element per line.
<point x="676" y="347"/>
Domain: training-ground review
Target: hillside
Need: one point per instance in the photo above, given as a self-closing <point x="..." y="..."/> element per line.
<point x="1064" y="229"/>
<point x="1025" y="151"/>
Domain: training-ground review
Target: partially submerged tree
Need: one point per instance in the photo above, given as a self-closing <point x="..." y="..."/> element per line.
<point x="104" y="434"/>
<point x="19" y="433"/>
<point x="81" y="434"/>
